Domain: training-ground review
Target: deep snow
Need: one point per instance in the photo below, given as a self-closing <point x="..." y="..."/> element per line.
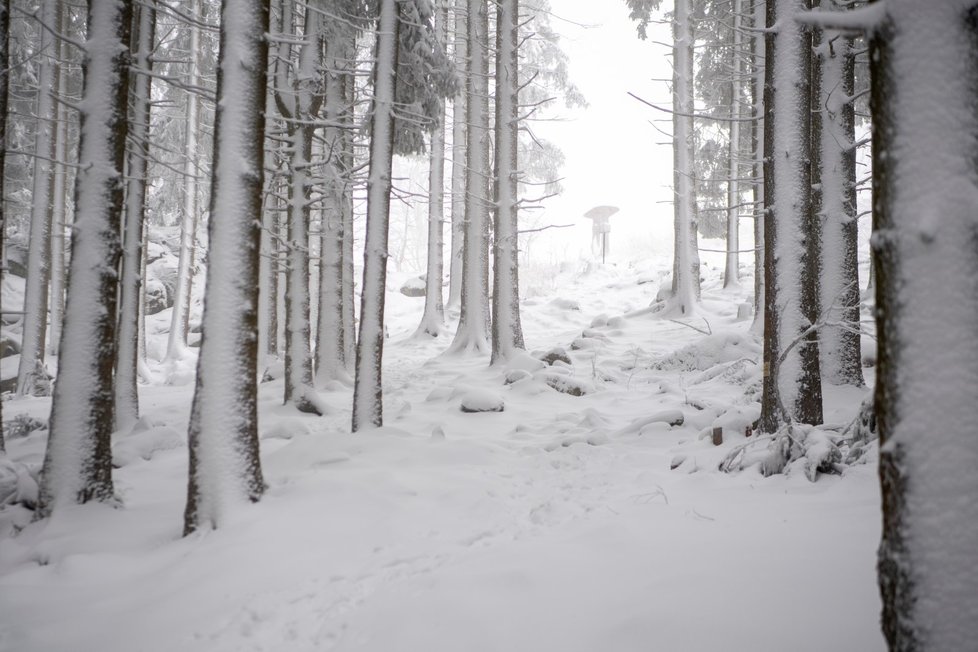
<point x="556" y="524"/>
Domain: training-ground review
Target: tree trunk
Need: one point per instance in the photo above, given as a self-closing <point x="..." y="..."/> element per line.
<point x="758" y="143"/>
<point x="31" y="367"/>
<point x="507" y="332"/>
<point x="330" y="349"/>
<point x="4" y="86"/>
<point x="686" y="269"/>
<point x="368" y="408"/>
<point x="225" y="469"/>
<point x="59" y="211"/>
<point x="459" y="129"/>
<point x="78" y="460"/>
<point x="924" y="69"/>
<point x="180" y="317"/>
<point x="299" y="102"/>
<point x="126" y="394"/>
<point x="731" y="274"/>
<point x="792" y="389"/>
<point x="433" y="317"/>
<point x="472" y="333"/>
<point x="833" y="126"/>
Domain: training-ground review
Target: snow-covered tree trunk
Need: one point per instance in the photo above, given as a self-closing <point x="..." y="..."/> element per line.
<point x="459" y="46"/>
<point x="78" y="460"/>
<point x="330" y="349"/>
<point x="792" y="387"/>
<point x="367" y="389"/>
<point x="433" y="317"/>
<point x="349" y="280"/>
<point x="267" y="316"/>
<point x="833" y="125"/>
<point x="59" y="213"/>
<point x="4" y="86"/>
<point x="924" y="70"/>
<point x="686" y="268"/>
<point x="758" y="22"/>
<point x="507" y="332"/>
<point x="225" y="469"/>
<point x="731" y="273"/>
<point x="472" y="333"/>
<point x="299" y="99"/>
<point x="127" y="363"/>
<point x="180" y="317"/>
<point x="39" y="245"/>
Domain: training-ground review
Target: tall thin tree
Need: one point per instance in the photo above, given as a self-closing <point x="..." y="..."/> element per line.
<point x="433" y="316"/>
<point x="225" y="469"/>
<point x="507" y="331"/>
<point x="472" y="332"/>
<point x="130" y="277"/>
<point x="31" y="366"/>
<point x="368" y="408"/>
<point x="78" y="460"/>
<point x="792" y="388"/>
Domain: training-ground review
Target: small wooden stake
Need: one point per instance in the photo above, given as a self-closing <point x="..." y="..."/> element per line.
<point x="717" y="436"/>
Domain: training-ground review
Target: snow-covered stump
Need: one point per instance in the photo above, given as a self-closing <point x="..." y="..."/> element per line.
<point x="367" y="388"/>
<point x="924" y="58"/>
<point x="78" y="459"/>
<point x="225" y="470"/>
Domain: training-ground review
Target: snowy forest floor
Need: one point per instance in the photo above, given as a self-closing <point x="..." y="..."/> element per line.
<point x="556" y="524"/>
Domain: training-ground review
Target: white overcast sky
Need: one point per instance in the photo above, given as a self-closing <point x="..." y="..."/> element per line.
<point x="614" y="155"/>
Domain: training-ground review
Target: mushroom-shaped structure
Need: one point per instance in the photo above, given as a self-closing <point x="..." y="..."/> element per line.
<point x="600" y="215"/>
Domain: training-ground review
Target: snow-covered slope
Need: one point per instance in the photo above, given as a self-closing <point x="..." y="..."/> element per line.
<point x="554" y="524"/>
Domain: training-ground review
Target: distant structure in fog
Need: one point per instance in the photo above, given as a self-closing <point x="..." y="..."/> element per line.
<point x="601" y="228"/>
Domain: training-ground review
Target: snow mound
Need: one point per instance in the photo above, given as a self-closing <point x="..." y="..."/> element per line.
<point x="18" y="484"/>
<point x="481" y="400"/>
<point x="145" y="444"/>
<point x="710" y="351"/>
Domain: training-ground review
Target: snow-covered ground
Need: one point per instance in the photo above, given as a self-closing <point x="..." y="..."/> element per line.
<point x="555" y="524"/>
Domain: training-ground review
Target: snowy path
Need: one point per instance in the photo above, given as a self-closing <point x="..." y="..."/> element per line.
<point x="549" y="526"/>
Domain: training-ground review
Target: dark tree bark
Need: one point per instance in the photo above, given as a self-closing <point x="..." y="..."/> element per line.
<point x="225" y="469"/>
<point x="924" y="70"/>
<point x="78" y="460"/>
